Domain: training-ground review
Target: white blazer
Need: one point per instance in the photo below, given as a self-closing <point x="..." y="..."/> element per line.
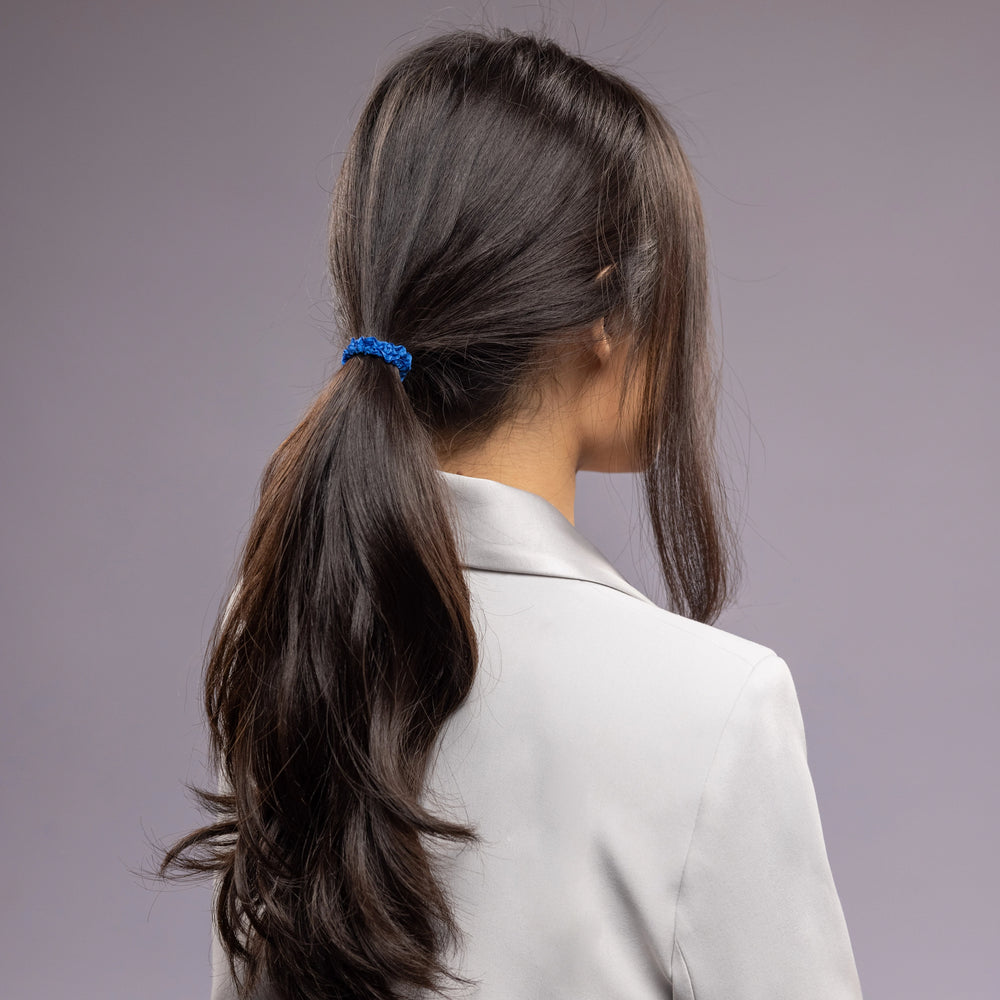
<point x="649" y="826"/>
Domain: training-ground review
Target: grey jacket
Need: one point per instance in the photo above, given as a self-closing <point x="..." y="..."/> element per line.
<point x="648" y="821"/>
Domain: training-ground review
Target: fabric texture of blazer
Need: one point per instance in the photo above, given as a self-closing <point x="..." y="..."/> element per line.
<point x="648" y="823"/>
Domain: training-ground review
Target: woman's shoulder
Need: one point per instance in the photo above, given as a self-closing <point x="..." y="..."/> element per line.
<point x="594" y="704"/>
<point x="610" y="642"/>
<point x="613" y="695"/>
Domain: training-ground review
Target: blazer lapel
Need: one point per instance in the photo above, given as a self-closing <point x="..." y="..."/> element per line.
<point x="510" y="530"/>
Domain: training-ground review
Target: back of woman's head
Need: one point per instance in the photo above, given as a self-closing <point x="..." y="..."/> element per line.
<point x="499" y="195"/>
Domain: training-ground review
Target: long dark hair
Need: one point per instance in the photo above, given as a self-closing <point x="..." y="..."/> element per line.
<point x="491" y="177"/>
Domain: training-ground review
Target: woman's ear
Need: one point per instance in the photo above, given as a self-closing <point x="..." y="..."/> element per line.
<point x="602" y="346"/>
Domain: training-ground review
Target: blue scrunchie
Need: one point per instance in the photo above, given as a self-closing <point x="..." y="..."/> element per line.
<point x="395" y="354"/>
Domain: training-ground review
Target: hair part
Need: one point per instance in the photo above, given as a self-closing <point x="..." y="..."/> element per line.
<point x="489" y="179"/>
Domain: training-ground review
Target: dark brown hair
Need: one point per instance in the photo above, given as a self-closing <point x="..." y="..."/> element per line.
<point x="491" y="177"/>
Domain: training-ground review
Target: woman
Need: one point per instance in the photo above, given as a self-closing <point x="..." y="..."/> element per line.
<point x="456" y="748"/>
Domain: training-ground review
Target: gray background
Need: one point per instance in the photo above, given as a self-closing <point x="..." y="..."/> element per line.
<point x="165" y="178"/>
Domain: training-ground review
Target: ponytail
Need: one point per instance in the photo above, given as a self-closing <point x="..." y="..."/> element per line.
<point x="346" y="645"/>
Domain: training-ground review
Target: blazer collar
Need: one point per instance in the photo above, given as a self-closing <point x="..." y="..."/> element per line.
<point x="510" y="530"/>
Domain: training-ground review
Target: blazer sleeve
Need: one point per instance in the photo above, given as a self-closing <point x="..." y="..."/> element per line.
<point x="758" y="915"/>
<point x="223" y="987"/>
